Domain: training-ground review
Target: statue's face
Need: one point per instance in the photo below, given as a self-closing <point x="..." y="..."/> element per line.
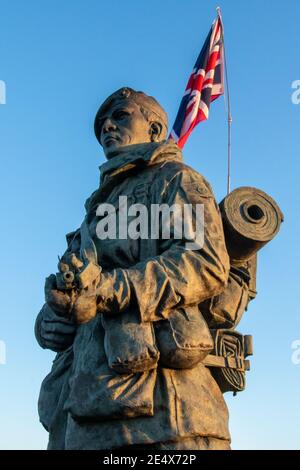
<point x="123" y="124"/>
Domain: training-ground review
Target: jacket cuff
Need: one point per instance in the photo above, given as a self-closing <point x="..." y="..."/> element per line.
<point x="113" y="292"/>
<point x="153" y="291"/>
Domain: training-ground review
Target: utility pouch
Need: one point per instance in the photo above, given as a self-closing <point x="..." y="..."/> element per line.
<point x="227" y="363"/>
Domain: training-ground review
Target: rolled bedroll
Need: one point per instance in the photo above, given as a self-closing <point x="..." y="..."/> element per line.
<point x="251" y="218"/>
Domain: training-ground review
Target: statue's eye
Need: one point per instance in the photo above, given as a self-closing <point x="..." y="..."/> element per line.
<point x="121" y="114"/>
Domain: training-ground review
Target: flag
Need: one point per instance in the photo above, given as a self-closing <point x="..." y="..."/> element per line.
<point x="205" y="84"/>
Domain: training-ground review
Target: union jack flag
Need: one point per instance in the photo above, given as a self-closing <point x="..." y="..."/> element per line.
<point x="205" y="84"/>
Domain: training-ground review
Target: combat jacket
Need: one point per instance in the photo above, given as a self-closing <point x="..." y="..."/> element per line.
<point x="147" y="279"/>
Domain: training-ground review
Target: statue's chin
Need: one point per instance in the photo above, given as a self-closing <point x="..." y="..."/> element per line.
<point x="112" y="151"/>
<point x="115" y="150"/>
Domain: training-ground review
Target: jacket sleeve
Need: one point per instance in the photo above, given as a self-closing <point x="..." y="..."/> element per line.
<point x="188" y="269"/>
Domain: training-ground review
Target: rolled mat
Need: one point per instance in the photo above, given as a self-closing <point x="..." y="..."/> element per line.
<point x="251" y="218"/>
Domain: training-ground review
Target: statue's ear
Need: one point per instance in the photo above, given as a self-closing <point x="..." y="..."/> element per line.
<point x="155" y="131"/>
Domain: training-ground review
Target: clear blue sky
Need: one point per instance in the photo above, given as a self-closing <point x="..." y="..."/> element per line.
<point x="59" y="60"/>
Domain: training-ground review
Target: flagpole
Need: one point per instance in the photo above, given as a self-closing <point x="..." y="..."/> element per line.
<point x="228" y="108"/>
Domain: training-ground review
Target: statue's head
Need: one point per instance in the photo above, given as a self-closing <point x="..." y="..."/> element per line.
<point x="129" y="117"/>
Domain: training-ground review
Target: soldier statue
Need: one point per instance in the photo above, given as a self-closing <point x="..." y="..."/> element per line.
<point x="134" y="319"/>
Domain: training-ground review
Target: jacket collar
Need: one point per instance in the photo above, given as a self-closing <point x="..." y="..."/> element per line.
<point x="128" y="159"/>
<point x="139" y="155"/>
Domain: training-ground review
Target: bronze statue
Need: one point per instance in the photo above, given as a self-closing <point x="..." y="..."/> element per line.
<point x="144" y="326"/>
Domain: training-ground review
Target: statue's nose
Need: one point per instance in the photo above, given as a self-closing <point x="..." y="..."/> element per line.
<point x="108" y="125"/>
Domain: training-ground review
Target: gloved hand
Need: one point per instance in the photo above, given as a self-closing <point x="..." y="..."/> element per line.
<point x="85" y="306"/>
<point x="61" y="302"/>
<point x="53" y="331"/>
<point x="88" y="278"/>
<point x="80" y="303"/>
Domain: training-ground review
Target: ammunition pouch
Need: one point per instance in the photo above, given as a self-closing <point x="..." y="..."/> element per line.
<point x="129" y="345"/>
<point x="183" y="339"/>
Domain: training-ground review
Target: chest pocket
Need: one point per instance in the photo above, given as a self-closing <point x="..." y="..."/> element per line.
<point x="141" y="193"/>
<point x="117" y="229"/>
<point x="148" y="247"/>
